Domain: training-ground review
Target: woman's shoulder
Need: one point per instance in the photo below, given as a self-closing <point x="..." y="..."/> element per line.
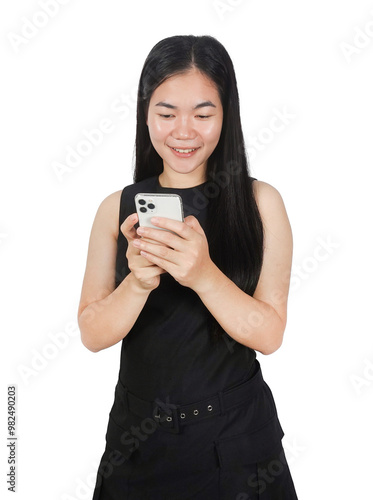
<point x="265" y="190"/>
<point x="111" y="202"/>
<point x="110" y="207"/>
<point x="267" y="197"/>
<point x="108" y="211"/>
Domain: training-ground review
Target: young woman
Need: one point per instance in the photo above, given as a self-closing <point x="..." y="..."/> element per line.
<point x="192" y="417"/>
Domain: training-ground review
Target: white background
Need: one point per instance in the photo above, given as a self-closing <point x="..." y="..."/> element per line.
<point x="308" y="59"/>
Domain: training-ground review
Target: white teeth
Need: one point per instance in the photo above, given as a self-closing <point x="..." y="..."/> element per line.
<point x="184" y="150"/>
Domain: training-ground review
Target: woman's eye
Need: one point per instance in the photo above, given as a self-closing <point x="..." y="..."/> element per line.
<point x="198" y="116"/>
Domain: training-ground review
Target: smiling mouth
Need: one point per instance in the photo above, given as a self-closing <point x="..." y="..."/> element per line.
<point x="190" y="150"/>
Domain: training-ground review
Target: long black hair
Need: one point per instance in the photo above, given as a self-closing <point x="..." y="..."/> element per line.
<point x="234" y="227"/>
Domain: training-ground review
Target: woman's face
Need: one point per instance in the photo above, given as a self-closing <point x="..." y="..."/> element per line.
<point x="185" y="119"/>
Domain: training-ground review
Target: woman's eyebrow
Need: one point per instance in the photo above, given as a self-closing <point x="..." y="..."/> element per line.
<point x="203" y="104"/>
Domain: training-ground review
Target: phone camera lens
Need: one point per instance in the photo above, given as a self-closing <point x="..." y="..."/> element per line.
<point x="142" y="202"/>
<point x="151" y="206"/>
<point x="143" y="209"/>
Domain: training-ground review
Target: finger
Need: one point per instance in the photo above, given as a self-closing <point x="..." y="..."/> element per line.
<point x="178" y="227"/>
<point x="193" y="222"/>
<point x="140" y="261"/>
<point x="160" y="237"/>
<point x="160" y="262"/>
<point x="154" y="270"/>
<point x="150" y="241"/>
<point x="162" y="251"/>
<point x="143" y="269"/>
<point x="127" y="226"/>
<point x="134" y="249"/>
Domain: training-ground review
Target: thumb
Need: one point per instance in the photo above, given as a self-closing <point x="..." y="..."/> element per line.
<point x="193" y="222"/>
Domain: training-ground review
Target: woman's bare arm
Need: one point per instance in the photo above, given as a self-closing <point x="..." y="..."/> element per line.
<point x="106" y="314"/>
<point x="258" y="321"/>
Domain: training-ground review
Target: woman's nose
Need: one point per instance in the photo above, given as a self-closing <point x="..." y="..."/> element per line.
<point x="183" y="129"/>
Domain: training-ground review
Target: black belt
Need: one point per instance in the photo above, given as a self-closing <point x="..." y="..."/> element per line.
<point x="171" y="416"/>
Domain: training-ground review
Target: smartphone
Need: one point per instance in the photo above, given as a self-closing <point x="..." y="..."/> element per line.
<point x="150" y="205"/>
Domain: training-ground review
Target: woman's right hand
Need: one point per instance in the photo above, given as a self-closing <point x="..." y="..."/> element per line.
<point x="147" y="275"/>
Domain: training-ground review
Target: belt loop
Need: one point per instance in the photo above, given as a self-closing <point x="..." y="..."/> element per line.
<point x="221" y="402"/>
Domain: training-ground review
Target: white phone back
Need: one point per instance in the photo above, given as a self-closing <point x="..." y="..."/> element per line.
<point x="150" y="205"/>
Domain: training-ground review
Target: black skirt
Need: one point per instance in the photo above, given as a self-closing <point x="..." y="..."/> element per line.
<point x="237" y="455"/>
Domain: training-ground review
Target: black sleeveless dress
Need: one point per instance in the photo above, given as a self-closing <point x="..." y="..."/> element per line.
<point x="169" y="360"/>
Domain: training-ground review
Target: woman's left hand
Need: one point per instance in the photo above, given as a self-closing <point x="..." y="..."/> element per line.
<point x="185" y="255"/>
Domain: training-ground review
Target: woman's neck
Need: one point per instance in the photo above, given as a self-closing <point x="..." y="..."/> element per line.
<point x="180" y="180"/>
